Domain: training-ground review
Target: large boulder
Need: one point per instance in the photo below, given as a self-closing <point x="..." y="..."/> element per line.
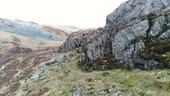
<point x="136" y="8"/>
<point x="137" y="29"/>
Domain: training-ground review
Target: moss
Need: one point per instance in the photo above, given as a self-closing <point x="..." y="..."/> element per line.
<point x="165" y="14"/>
<point x="157" y="49"/>
<point x="101" y="64"/>
<point x="126" y="84"/>
<point x="167" y="56"/>
<point x="160" y="85"/>
<point x="53" y="94"/>
<point x="151" y="16"/>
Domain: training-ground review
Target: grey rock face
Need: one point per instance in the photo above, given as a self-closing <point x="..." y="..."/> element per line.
<point x="129" y="30"/>
<point x="136" y="8"/>
<point x="97" y="46"/>
<point x="121" y="44"/>
<point x="165" y="28"/>
<point x="165" y="35"/>
<point x="157" y="26"/>
<point x="75" y="40"/>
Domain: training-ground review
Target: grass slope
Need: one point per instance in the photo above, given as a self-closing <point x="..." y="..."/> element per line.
<point x="60" y="81"/>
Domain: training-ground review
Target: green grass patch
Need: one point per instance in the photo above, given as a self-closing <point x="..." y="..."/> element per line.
<point x="61" y="80"/>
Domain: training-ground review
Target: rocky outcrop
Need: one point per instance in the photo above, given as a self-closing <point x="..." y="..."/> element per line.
<point x="137" y="29"/>
<point x="76" y="40"/>
<point x="136" y="8"/>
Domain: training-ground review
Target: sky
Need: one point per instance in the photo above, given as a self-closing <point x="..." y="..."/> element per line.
<point x="79" y="13"/>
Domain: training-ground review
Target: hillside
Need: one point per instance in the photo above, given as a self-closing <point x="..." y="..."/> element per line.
<point x="27" y="33"/>
<point x="129" y="56"/>
<point x="23" y="46"/>
<point x="67" y="79"/>
<point x="68" y="29"/>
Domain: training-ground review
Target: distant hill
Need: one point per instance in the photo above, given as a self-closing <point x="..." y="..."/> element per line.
<point x="68" y="29"/>
<point x="30" y="33"/>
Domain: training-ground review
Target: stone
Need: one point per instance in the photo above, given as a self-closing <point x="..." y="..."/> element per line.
<point x="55" y="61"/>
<point x="119" y="93"/>
<point x="60" y="92"/>
<point x="36" y="77"/>
<point x="51" y="61"/>
<point x="77" y="91"/>
<point x="146" y="64"/>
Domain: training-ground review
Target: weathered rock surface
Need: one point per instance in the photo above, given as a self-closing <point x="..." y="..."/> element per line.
<point x="76" y="40"/>
<point x="136" y="8"/>
<point x="122" y="46"/>
<point x="136" y="29"/>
